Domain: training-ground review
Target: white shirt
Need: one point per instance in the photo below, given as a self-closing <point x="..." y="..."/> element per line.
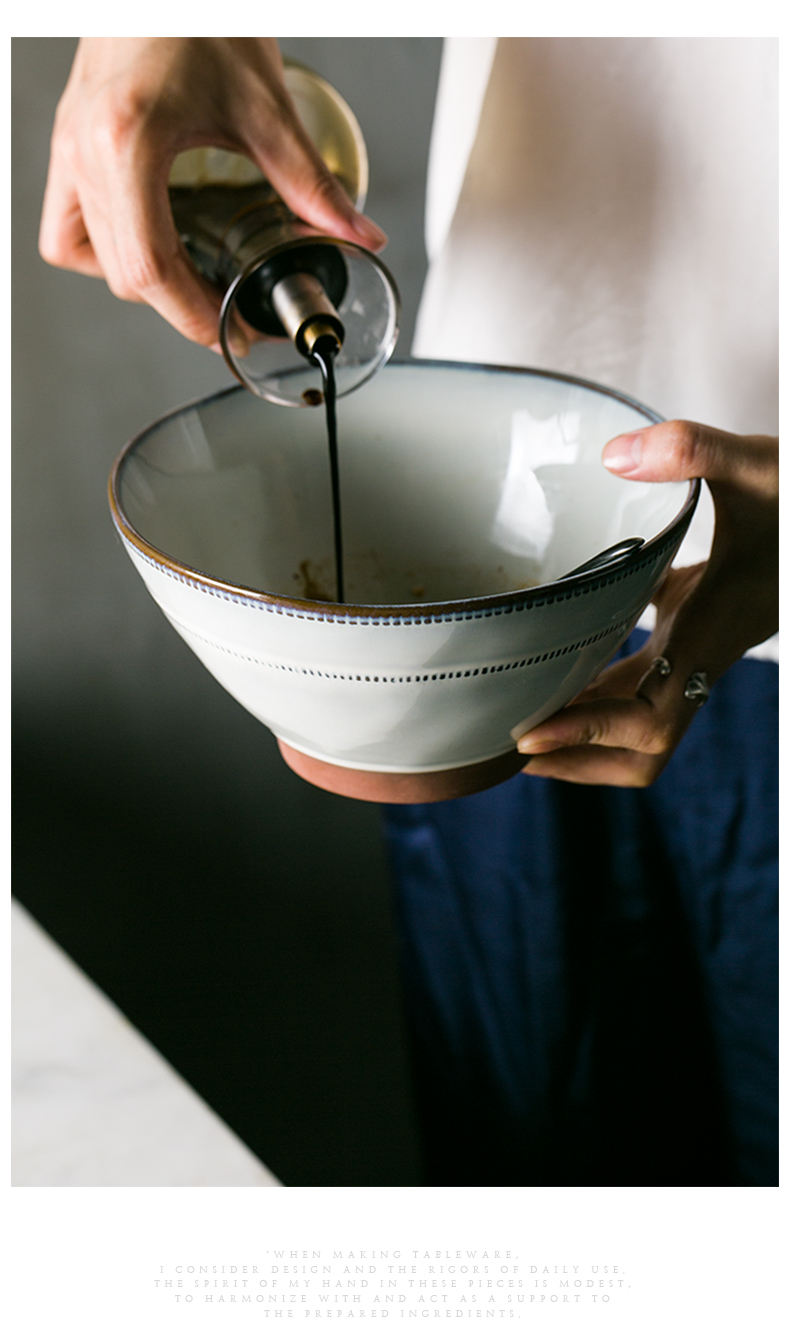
<point x="608" y="207"/>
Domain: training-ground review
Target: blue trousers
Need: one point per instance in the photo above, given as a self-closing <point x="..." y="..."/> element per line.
<point x="590" y="973"/>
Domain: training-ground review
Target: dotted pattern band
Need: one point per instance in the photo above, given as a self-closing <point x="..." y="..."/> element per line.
<point x="449" y="674"/>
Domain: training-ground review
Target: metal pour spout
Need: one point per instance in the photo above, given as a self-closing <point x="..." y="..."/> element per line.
<point x="306" y="311"/>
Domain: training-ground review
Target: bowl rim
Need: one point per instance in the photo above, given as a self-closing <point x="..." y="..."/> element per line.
<point x="540" y="594"/>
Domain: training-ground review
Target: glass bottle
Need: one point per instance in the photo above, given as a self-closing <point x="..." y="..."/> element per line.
<point x="285" y="283"/>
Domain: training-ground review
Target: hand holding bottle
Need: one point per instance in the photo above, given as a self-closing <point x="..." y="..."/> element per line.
<point x="130" y="106"/>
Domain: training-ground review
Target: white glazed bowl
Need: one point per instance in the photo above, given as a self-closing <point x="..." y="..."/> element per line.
<point x="467" y="493"/>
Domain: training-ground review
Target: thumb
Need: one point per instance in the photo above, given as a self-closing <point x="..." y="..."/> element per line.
<point x="679" y="450"/>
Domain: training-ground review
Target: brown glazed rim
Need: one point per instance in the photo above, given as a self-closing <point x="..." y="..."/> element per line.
<point x="556" y="590"/>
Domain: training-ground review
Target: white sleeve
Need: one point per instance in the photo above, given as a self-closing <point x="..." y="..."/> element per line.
<point x="463" y="80"/>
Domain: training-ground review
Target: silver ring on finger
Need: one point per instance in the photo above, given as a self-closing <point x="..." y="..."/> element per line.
<point x="697" y="688"/>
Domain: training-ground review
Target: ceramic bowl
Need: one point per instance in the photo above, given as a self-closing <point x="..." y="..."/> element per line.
<point x="474" y="501"/>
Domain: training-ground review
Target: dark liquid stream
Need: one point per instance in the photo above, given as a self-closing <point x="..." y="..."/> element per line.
<point x="323" y="355"/>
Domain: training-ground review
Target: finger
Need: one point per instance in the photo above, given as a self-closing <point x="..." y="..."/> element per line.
<point x="168" y="283"/>
<point x="621" y="742"/>
<point x="599" y="765"/>
<point x="136" y="249"/>
<point x="277" y="141"/>
<point x="681" y="450"/>
<point x="730" y="610"/>
<point x="304" y="182"/>
<point x="709" y="615"/>
<point x="146" y="260"/>
<point x="63" y="238"/>
<point x="631" y="724"/>
<point x="620" y="678"/>
<point x="76" y="236"/>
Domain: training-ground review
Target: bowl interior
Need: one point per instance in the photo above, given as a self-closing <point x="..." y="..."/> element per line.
<point x="456" y="482"/>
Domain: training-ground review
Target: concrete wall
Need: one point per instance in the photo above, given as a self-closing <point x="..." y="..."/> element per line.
<point x="239" y="917"/>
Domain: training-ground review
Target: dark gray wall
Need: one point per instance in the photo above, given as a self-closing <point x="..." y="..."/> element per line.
<point x="240" y="917"/>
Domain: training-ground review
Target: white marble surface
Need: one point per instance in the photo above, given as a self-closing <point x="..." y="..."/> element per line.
<point x="93" y="1103"/>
